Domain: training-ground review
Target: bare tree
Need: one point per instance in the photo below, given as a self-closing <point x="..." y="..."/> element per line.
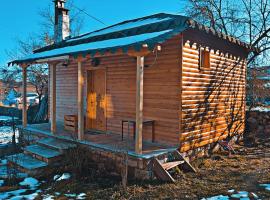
<point x="38" y="73"/>
<point x="247" y="20"/>
<point x="258" y="86"/>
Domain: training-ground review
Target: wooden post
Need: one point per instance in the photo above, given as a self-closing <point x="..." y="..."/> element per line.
<point x="139" y="104"/>
<point x="24" y="93"/>
<point x="80" y="100"/>
<point x="53" y="97"/>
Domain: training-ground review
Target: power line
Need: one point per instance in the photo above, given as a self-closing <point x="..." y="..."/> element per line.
<point x="89" y="15"/>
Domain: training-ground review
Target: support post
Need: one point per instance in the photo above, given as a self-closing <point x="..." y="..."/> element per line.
<point x="24" y="93"/>
<point x="139" y="104"/>
<point x="53" y="97"/>
<point x="80" y="100"/>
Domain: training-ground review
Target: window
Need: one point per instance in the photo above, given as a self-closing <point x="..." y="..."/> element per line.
<point x="204" y="59"/>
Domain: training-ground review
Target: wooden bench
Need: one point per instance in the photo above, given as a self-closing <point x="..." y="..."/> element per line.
<point x="133" y="123"/>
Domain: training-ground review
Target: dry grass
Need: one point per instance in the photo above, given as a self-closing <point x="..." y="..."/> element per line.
<point x="242" y="172"/>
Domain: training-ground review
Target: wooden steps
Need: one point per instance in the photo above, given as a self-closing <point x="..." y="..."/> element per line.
<point x="27" y="163"/>
<point x="45" y="153"/>
<point x="55" y="144"/>
<point x="162" y="170"/>
<point x="170" y="165"/>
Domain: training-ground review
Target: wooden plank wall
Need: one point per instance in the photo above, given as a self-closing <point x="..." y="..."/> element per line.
<point x="213" y="99"/>
<point x="161" y="91"/>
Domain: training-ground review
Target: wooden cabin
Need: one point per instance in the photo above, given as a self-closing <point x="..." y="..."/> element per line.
<point x="169" y="79"/>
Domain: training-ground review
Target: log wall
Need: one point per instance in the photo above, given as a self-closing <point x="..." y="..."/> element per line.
<point x="161" y="91"/>
<point x="197" y="106"/>
<point x="213" y="99"/>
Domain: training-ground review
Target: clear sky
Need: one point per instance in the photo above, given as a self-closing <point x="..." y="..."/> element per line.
<point x="19" y="18"/>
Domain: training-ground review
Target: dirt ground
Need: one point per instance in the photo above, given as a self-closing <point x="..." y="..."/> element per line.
<point x="243" y="171"/>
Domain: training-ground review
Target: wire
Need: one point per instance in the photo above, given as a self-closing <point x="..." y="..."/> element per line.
<point x="94" y="18"/>
<point x="103" y="23"/>
<point x="89" y="15"/>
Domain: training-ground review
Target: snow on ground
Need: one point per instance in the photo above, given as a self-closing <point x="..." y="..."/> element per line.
<point x="7" y="118"/>
<point x="30" y="182"/>
<point x="2" y="182"/>
<point x="6" y="133"/>
<point x="266" y="186"/>
<point x="30" y="189"/>
<point x="260" y="109"/>
<point x="243" y="195"/>
<point x="64" y="176"/>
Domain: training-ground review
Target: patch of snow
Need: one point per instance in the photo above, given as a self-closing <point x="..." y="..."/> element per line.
<point x="56" y="177"/>
<point x="70" y="195"/>
<point x="240" y="194"/>
<point x="64" y="176"/>
<point x="31" y="182"/>
<point x="81" y="196"/>
<point x="6" y="133"/>
<point x="266" y="186"/>
<point x="260" y="109"/>
<point x="2" y="182"/>
<point x="5" y="173"/>
<point x="231" y="191"/>
<point x="122" y="27"/>
<point x="4" y="195"/>
<point x="219" y="197"/>
<point x="48" y="197"/>
<point x="57" y="193"/>
<point x="30" y="196"/>
<point x="14" y="193"/>
<point x="7" y="118"/>
<point x="3" y="162"/>
<point x="99" y="45"/>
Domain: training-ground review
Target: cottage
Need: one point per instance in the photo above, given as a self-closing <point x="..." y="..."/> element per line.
<point x="147" y="85"/>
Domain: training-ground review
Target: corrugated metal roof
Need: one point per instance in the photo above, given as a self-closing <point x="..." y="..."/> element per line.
<point x="149" y="30"/>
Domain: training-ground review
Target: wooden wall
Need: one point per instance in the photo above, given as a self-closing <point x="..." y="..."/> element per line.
<point x="213" y="99"/>
<point x="191" y="104"/>
<point x="161" y="91"/>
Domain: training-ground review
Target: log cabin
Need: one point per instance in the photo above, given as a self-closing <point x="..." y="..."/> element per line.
<point x="147" y="85"/>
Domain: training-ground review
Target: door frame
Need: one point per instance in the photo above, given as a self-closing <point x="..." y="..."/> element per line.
<point x="90" y="70"/>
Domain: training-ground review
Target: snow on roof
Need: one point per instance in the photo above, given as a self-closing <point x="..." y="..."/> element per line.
<point x="105" y="45"/>
<point x="121" y="27"/>
<point x="132" y="33"/>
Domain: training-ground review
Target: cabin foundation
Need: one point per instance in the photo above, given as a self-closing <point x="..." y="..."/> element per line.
<point x="101" y="151"/>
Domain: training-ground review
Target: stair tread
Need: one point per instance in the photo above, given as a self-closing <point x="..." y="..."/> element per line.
<point x="26" y="161"/>
<point x="57" y="144"/>
<point x="170" y="165"/>
<point x="42" y="151"/>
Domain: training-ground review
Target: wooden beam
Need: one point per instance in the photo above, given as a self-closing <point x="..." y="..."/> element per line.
<point x="139" y="104"/>
<point x="80" y="100"/>
<point x="53" y="97"/>
<point x="24" y="93"/>
<point x="142" y="52"/>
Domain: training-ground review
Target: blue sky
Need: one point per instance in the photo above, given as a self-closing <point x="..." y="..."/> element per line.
<point x="20" y="18"/>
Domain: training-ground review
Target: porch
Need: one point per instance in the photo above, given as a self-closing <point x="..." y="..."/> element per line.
<point x="110" y="142"/>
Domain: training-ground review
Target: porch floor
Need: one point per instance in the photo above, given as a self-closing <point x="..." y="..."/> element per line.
<point x="106" y="141"/>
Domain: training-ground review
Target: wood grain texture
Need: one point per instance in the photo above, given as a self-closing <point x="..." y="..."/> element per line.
<point x="161" y="91"/>
<point x="52" y="106"/>
<point x="213" y="98"/>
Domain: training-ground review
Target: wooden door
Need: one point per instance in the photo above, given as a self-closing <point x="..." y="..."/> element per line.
<point x="96" y="99"/>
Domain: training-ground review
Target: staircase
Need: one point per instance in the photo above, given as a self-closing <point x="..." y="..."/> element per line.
<point x="37" y="157"/>
<point x="162" y="168"/>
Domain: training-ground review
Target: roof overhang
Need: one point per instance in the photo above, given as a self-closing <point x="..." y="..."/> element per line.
<point x="135" y="43"/>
